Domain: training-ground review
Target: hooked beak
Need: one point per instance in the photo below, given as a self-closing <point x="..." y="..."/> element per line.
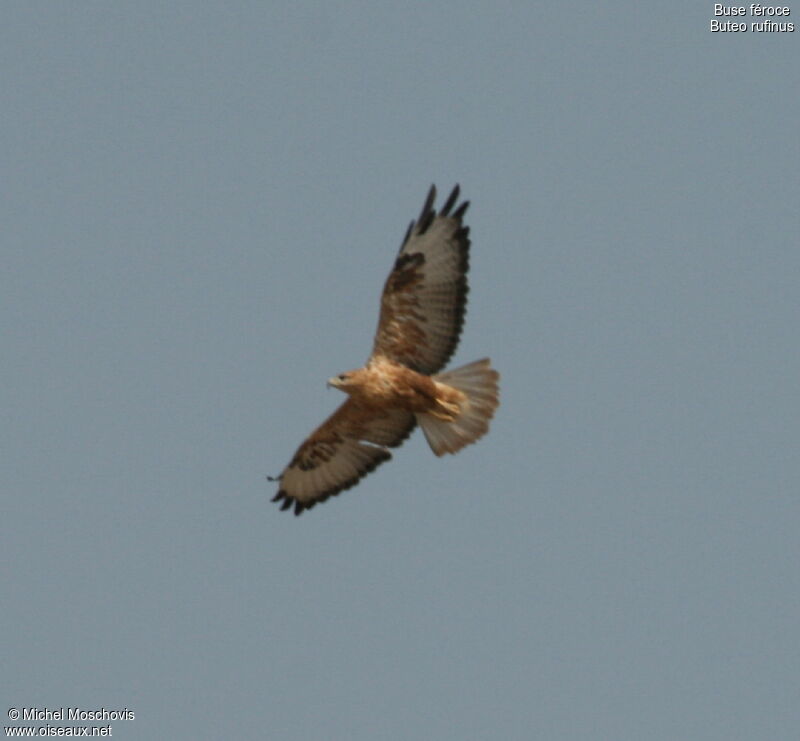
<point x="332" y="383"/>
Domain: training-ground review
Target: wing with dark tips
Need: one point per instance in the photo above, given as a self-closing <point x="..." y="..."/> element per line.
<point x="351" y="443"/>
<point x="425" y="296"/>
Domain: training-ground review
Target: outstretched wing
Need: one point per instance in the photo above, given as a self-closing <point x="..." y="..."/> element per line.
<point x="425" y="296"/>
<point x="352" y="442"/>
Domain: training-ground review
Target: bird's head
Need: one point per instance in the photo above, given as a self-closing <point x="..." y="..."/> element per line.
<point x="343" y="381"/>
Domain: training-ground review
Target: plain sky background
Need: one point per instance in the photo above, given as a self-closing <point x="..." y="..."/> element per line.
<point x="200" y="203"/>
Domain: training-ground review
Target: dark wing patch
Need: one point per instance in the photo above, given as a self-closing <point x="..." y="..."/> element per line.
<point x="425" y="296"/>
<point x="351" y="443"/>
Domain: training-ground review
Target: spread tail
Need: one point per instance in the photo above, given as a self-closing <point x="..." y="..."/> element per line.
<point x="477" y="382"/>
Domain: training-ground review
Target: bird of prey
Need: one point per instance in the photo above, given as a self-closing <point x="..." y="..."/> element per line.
<point x="422" y="313"/>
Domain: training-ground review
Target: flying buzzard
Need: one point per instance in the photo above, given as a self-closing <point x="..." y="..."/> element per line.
<point x="422" y="312"/>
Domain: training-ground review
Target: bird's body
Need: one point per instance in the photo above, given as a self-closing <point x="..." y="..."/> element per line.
<point x="422" y="313"/>
<point x="385" y="384"/>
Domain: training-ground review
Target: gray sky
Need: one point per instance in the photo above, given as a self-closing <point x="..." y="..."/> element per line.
<point x="200" y="203"/>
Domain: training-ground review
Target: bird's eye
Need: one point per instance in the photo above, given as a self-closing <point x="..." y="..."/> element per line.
<point x="343" y="376"/>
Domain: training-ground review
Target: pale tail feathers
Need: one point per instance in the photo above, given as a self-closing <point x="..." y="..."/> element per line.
<point x="478" y="381"/>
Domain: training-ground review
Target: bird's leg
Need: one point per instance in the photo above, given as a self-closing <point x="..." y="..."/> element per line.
<point x="447" y="411"/>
